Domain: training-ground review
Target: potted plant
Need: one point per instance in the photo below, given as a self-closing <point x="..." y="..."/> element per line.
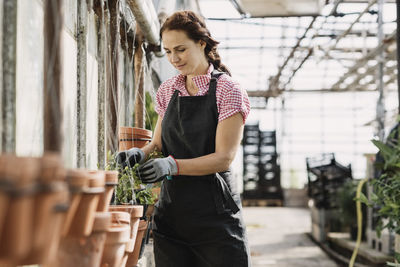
<point x="346" y="208"/>
<point x="130" y="194"/>
<point x="386" y="187"/>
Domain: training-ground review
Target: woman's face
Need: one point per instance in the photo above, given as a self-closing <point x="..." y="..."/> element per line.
<point x="183" y="53"/>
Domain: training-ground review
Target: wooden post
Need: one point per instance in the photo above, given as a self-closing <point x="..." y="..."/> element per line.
<point x="102" y="55"/>
<point x="82" y="83"/>
<point x="112" y="78"/>
<point x="9" y="55"/>
<point x="53" y="21"/>
<point x="139" y="81"/>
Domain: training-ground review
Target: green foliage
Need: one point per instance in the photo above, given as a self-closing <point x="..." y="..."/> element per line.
<point x="130" y="189"/>
<point x="387" y="187"/>
<point x="346" y="202"/>
<point x="151" y="114"/>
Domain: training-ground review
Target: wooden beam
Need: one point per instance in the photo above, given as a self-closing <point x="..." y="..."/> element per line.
<point x="112" y="77"/>
<point x="139" y="81"/>
<point x="102" y="61"/>
<point x="53" y="23"/>
<point x="9" y="56"/>
<point x="82" y="83"/>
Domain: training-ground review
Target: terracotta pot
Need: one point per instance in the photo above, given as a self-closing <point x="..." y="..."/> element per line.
<point x="111" y="181"/>
<point x="51" y="205"/>
<point x="134" y="257"/>
<point x="156" y="190"/>
<point x="149" y="211"/>
<point x="6" y="188"/>
<point x="82" y="222"/>
<point x="78" y="182"/>
<point x="133" y="137"/>
<point x="17" y="232"/>
<point x="85" y="251"/>
<point x="114" y="248"/>
<point x="120" y="218"/>
<point x="135" y="211"/>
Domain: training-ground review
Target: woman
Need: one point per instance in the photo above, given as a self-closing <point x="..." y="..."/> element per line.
<point x="197" y="220"/>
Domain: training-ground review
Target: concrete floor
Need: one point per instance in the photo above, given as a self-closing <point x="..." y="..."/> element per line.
<point x="277" y="237"/>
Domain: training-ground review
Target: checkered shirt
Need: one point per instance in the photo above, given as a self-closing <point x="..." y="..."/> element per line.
<point x="231" y="98"/>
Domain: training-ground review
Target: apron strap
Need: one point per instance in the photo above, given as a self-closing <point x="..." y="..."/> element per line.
<point x="222" y="187"/>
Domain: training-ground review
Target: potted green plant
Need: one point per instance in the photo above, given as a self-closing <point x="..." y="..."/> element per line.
<point x="131" y="193"/>
<point x="346" y="208"/>
<point x="386" y="187"/>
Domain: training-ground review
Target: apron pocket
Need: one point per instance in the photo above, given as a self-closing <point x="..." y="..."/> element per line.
<point x="222" y="196"/>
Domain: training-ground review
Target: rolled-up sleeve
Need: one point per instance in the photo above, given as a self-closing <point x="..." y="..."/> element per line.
<point x="233" y="99"/>
<point x="161" y="99"/>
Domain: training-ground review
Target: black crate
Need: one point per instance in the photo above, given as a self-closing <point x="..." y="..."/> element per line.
<point x="265" y="150"/>
<point x="325" y="177"/>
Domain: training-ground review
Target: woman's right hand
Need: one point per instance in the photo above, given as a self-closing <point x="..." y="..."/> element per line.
<point x="130" y="157"/>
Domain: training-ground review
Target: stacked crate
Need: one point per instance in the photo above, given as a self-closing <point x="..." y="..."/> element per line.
<point x="261" y="170"/>
<point x="325" y="177"/>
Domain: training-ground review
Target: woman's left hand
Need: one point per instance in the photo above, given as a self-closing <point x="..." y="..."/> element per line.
<point x="155" y="170"/>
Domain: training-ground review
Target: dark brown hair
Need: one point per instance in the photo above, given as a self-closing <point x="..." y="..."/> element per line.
<point x="195" y="28"/>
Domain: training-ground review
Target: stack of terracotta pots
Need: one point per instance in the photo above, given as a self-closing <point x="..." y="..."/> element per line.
<point x="87" y="222"/>
<point x="34" y="201"/>
<point x="133" y="248"/>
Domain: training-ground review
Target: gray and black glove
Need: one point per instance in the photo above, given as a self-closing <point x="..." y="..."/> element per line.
<point x="130" y="157"/>
<point x="155" y="170"/>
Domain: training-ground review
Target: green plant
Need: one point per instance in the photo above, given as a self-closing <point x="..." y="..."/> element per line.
<point x="386" y="188"/>
<point x="151" y="114"/>
<point x="130" y="189"/>
<point x="346" y="206"/>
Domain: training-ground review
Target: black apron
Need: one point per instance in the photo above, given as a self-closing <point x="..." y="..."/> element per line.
<point x="197" y="220"/>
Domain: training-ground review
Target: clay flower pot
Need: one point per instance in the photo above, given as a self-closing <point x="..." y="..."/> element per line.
<point x="133" y="137"/>
<point x="82" y="222"/>
<point x="136" y="212"/>
<point x="78" y="182"/>
<point x="85" y="251"/>
<point x="51" y="205"/>
<point x="17" y="229"/>
<point x="117" y="238"/>
<point x="134" y="257"/>
<point x="111" y="181"/>
<point x="6" y="187"/>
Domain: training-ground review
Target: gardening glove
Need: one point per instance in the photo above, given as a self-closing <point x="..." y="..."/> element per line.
<point x="130" y="157"/>
<point x="155" y="170"/>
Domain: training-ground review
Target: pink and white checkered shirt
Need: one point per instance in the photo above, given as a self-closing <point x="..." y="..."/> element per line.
<point x="231" y="98"/>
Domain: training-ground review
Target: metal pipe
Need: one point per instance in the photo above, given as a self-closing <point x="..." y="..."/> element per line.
<point x="372" y="54"/>
<point x="310" y="51"/>
<point x="335" y="6"/>
<point x="165" y="8"/>
<point x="275" y="79"/>
<point x="147" y="19"/>
<point x="239" y="8"/>
<point x="9" y="55"/>
<point x="380" y="106"/>
<point x="52" y="87"/>
<point x="372" y="2"/>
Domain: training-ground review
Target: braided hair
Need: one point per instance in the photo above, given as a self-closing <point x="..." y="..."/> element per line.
<point x="195" y="28"/>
